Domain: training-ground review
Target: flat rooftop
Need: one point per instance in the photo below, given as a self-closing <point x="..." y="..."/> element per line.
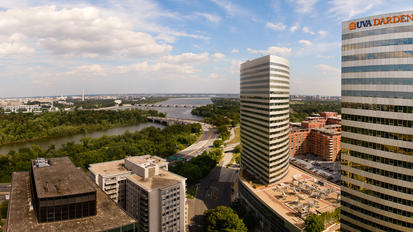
<point x="147" y="158"/>
<point x="289" y="196"/>
<point x="21" y="218"/>
<point x="60" y="178"/>
<point x="109" y="168"/>
<point x="164" y="179"/>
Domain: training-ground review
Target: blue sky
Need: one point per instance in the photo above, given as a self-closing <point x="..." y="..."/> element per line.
<point x="172" y="46"/>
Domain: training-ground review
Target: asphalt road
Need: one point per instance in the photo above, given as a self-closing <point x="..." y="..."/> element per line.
<point x="207" y="140"/>
<point x="213" y="191"/>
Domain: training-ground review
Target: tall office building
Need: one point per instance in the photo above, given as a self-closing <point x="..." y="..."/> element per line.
<point x="377" y="139"/>
<point x="265" y="118"/>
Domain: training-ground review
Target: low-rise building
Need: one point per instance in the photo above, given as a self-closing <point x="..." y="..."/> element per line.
<point x="144" y="187"/>
<point x="57" y="196"/>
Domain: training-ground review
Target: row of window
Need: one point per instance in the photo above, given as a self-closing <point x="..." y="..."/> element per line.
<point x="377" y="183"/>
<point x="378" y="94"/>
<point x="372" y="193"/>
<point x="381" y="31"/>
<point x="264" y="92"/>
<point x="266" y="64"/>
<point x="383" y="121"/>
<point x="378" y="55"/>
<point x="265" y="98"/>
<point x="263" y="109"/>
<point x="377" y="81"/>
<point x="378" y="68"/>
<point x="364" y="221"/>
<point x="378" y="146"/>
<point x="263" y="104"/>
<point x="264" y="86"/>
<point x="357" y="227"/>
<point x="378" y="216"/>
<point x="244" y="74"/>
<point x="380" y="134"/>
<point x="378" y="43"/>
<point x="377" y="171"/>
<point x="383" y="160"/>
<point x="250" y="79"/>
<point x="377" y="205"/>
<point x="378" y="107"/>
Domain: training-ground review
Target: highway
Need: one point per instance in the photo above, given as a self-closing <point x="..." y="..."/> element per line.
<point x="210" y="134"/>
<point x="212" y="191"/>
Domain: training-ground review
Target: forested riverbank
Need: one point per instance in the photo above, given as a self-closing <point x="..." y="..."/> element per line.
<point x="224" y="113"/>
<point x="23" y="127"/>
<point x="153" y="141"/>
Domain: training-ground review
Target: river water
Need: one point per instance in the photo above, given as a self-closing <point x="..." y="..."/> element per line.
<point x="58" y="142"/>
<point x="183" y="113"/>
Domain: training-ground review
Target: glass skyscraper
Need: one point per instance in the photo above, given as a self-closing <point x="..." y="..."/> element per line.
<point x="377" y="139"/>
<point x="265" y="94"/>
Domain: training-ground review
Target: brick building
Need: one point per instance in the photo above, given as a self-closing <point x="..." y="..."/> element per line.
<point x="317" y="135"/>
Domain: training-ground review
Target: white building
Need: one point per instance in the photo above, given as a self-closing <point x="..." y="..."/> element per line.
<point x="143" y="186"/>
<point x="377" y="123"/>
<point x="265" y="117"/>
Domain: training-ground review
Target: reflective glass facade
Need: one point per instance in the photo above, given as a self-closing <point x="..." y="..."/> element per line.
<point x="265" y="94"/>
<point x="377" y="119"/>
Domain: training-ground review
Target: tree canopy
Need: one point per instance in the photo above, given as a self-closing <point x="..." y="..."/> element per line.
<point x="299" y="110"/>
<point x="151" y="140"/>
<point x="223" y="114"/>
<point x="20" y="127"/>
<point x="223" y="218"/>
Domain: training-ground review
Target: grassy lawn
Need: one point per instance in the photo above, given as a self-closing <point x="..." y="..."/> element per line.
<point x="236" y="139"/>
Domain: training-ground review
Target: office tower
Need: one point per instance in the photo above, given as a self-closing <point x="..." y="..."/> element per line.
<point x="265" y="118"/>
<point x="143" y="186"/>
<point x="57" y="196"/>
<point x="377" y="139"/>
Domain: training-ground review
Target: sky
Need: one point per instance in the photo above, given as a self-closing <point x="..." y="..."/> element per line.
<point x="50" y="47"/>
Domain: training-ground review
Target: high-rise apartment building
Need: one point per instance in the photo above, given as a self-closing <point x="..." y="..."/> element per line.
<point x="377" y="123"/>
<point x="265" y="96"/>
<point x="143" y="186"/>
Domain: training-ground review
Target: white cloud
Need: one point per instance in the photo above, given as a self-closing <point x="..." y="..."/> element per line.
<point x="324" y="57"/>
<point x="160" y="67"/>
<point x="276" y="26"/>
<point x="214" y="76"/>
<point x="347" y="9"/>
<point x="308" y="30"/>
<point x="235" y="66"/>
<point x="304" y="6"/>
<point x="232" y="9"/>
<point x="294" y="28"/>
<point x="186" y="58"/>
<point x="328" y="70"/>
<point x="272" y="50"/>
<point x="234" y="50"/>
<point x="210" y="17"/>
<point x="218" y="56"/>
<point x="14" y="44"/>
<point x="305" y="42"/>
<point x="79" y="31"/>
<point x="322" y="33"/>
<point x="94" y="69"/>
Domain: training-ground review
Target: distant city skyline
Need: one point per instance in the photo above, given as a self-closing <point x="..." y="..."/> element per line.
<point x="53" y="48"/>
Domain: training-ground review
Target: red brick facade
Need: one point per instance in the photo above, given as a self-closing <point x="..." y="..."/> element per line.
<point x="314" y="136"/>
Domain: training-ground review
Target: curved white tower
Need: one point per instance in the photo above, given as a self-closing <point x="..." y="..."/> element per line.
<point x="377" y="139"/>
<point x="265" y="94"/>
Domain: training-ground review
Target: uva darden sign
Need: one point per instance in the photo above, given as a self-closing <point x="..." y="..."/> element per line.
<point x="381" y="21"/>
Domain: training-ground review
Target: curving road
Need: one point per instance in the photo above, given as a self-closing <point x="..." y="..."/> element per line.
<point x="206" y="141"/>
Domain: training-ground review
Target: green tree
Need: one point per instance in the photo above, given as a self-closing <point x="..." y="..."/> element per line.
<point x="218" y="143"/>
<point x="223" y="218"/>
<point x="3" y="209"/>
<point x="237" y="149"/>
<point x="313" y="223"/>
